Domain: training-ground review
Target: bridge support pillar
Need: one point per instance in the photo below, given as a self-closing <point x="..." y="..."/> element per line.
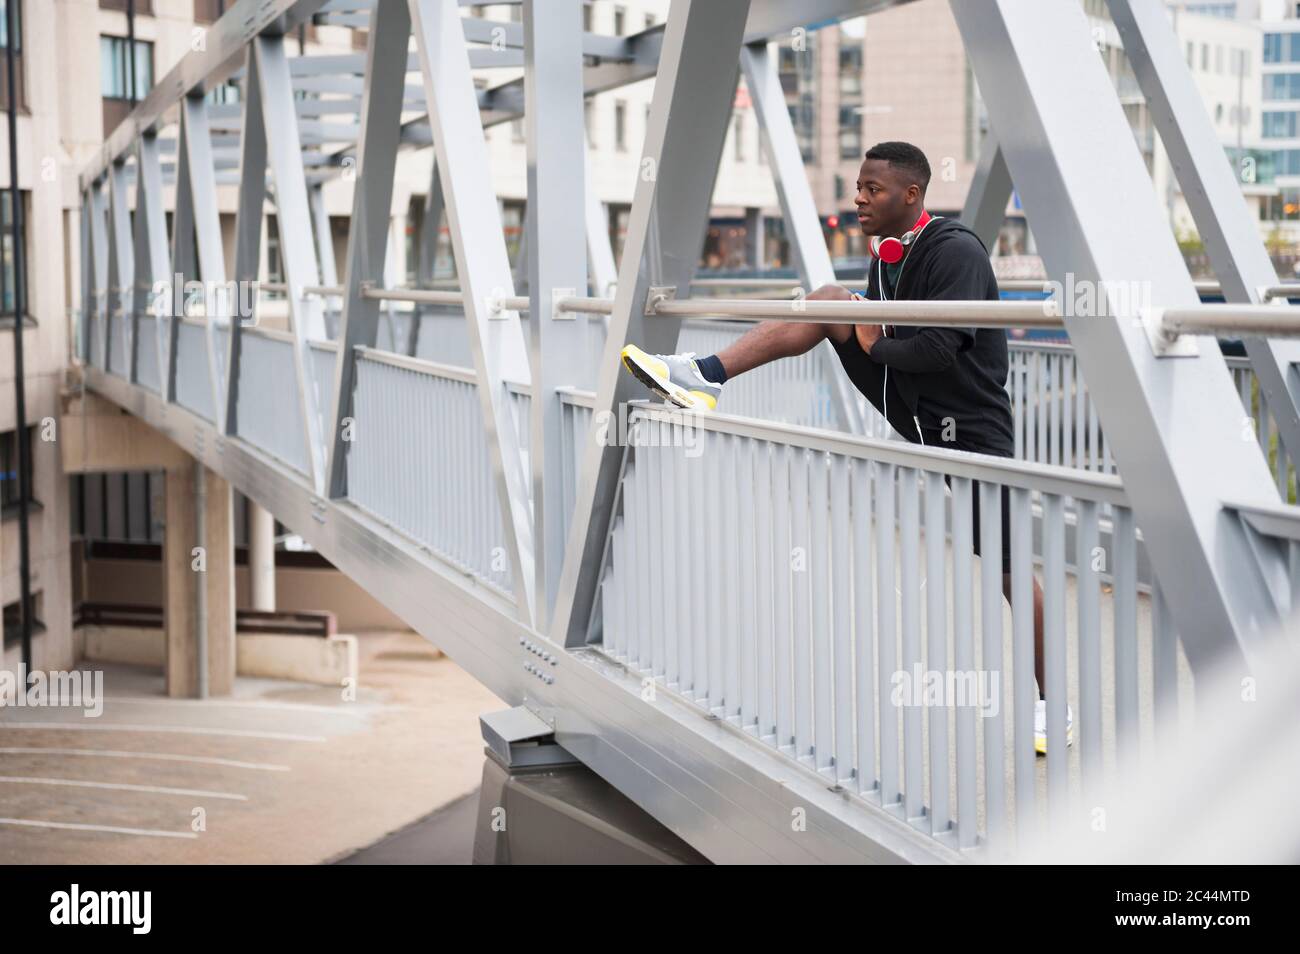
<point x="261" y="557"/>
<point x="198" y="583"/>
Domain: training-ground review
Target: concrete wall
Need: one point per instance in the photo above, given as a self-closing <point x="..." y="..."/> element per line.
<point x="297" y="588"/>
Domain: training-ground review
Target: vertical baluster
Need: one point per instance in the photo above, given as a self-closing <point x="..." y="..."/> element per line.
<point x="714" y="451"/>
<point x="909" y="531"/>
<point x="684" y="557"/>
<point x="1088" y="562"/>
<point x="670" y="517"/>
<point x="863" y="642"/>
<point x="640" y="537"/>
<point x="764" y="595"/>
<point x="654" y="530"/>
<point x="1022" y="657"/>
<point x="1017" y="406"/>
<point x="783" y="635"/>
<point x="995" y="798"/>
<point x="823" y="744"/>
<point x="886" y="630"/>
<point x="1040" y="407"/>
<point x="963" y="644"/>
<point x="936" y="651"/>
<point x="801" y="547"/>
<point x="1055" y="397"/>
<point x="731" y="595"/>
<point x="746" y="643"/>
<point x="1124" y="548"/>
<point x="841" y="595"/>
<point x="1054" y="648"/>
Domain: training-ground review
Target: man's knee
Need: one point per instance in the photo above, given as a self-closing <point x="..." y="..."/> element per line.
<point x="830" y="293"/>
<point x="835" y="332"/>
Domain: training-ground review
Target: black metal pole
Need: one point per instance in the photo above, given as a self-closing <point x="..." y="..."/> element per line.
<point x="130" y="46"/>
<point x="20" y="310"/>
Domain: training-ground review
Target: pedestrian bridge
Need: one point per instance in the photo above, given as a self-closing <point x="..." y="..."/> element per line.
<point x="731" y="617"/>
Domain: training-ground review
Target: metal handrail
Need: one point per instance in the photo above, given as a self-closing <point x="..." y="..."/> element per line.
<point x="962" y="314"/>
<point x="434" y="368"/>
<point x="1272" y="320"/>
<point x="1047" y="478"/>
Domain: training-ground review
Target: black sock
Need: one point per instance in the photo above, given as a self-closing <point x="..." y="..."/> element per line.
<point x="712" y="370"/>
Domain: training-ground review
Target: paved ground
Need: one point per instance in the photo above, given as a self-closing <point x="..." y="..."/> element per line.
<point x="279" y="772"/>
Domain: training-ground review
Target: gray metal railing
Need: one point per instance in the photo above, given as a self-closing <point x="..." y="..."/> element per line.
<point x="419" y="461"/>
<point x="193" y="381"/>
<point x="147" y="353"/>
<point x="268" y="413"/>
<point x="789" y="581"/>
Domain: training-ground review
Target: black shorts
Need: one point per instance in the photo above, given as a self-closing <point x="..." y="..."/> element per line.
<point x="870" y="378"/>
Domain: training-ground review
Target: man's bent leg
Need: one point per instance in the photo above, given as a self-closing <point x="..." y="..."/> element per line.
<point x="783" y="339"/>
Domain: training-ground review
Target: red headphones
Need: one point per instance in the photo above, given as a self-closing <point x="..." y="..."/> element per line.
<point x="890" y="250"/>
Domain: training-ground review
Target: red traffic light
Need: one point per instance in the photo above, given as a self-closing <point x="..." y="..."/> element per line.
<point x="832" y="221"/>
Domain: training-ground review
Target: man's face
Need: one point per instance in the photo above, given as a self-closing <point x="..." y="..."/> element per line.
<point x="886" y="199"/>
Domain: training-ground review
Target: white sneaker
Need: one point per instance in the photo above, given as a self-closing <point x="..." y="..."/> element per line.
<point x="1040" y="726"/>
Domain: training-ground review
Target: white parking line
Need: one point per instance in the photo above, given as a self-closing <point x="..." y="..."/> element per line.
<point x="111" y="829"/>
<point x="354" y="709"/>
<point x="181" y="729"/>
<point x="160" y="756"/>
<point x="121" y="787"/>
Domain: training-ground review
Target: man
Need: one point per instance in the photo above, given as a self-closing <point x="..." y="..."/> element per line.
<point x="942" y="387"/>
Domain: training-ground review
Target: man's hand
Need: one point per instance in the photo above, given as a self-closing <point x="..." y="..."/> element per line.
<point x="868" y="335"/>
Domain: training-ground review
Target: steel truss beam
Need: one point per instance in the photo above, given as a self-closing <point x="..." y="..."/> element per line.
<point x="368" y="228"/>
<point x="151" y="258"/>
<point x="1177" y="428"/>
<point x="556" y="264"/>
<point x="683" y="146"/>
<point x="283" y="149"/>
<point x="482" y="264"/>
<point x="1213" y="195"/>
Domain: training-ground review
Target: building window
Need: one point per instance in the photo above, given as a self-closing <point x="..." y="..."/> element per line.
<point x="18" y="57"/>
<point x="620" y="126"/>
<point x="115" y="67"/>
<point x="1282" y="86"/>
<point x="649" y="20"/>
<point x="116" y="77"/>
<point x="8" y="260"/>
<point x="9" y="498"/>
<point x="225" y="93"/>
<point x="850" y="133"/>
<point x="738" y="137"/>
<point x="588" y="120"/>
<point x="620" y="18"/>
<point x="1191" y="55"/>
<point x="142" y="7"/>
<point x="1279" y="125"/>
<point x="586" y="17"/>
<point x="13" y="620"/>
<point x="1205" y="57"/>
<point x="850" y="71"/>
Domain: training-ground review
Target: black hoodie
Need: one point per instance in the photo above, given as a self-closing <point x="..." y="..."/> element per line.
<point x="942" y="373"/>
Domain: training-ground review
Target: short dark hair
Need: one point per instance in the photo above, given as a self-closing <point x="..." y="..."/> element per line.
<point x="905" y="156"/>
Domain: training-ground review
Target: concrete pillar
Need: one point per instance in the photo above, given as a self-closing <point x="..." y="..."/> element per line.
<point x="261" y="557"/>
<point x="198" y="583"/>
